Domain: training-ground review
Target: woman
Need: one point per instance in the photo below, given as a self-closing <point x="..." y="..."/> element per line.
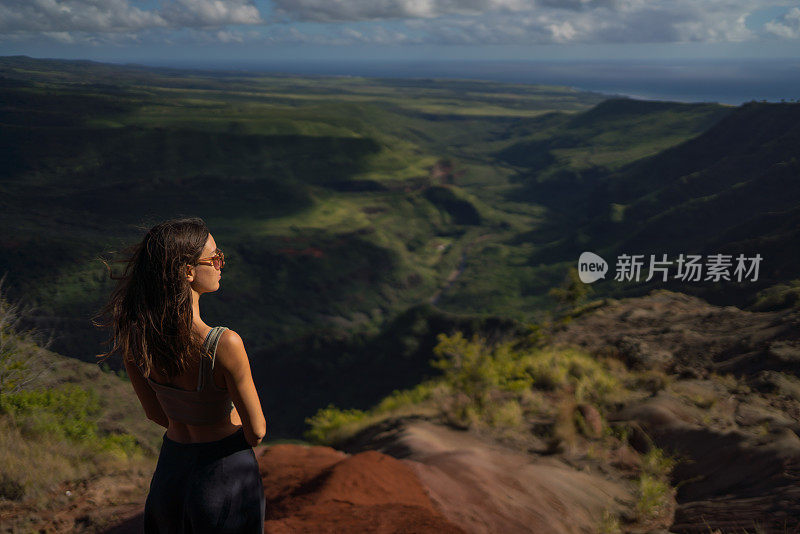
<point x="193" y="379"/>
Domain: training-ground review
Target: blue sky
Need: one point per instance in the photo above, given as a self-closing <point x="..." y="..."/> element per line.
<point x="329" y="30"/>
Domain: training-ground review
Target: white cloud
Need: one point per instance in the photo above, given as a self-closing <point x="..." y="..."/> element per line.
<point x="211" y="12"/>
<point x="629" y="22"/>
<point x="478" y="22"/>
<point x="363" y="10"/>
<point x="62" y="37"/>
<point x="787" y="26"/>
<point x="543" y="21"/>
<point x="341" y="36"/>
<point x="229" y="37"/>
<point x="353" y="10"/>
<point x="562" y="32"/>
<point x="56" y="16"/>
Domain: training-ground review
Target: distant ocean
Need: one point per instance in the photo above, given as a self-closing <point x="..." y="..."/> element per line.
<point x="726" y="81"/>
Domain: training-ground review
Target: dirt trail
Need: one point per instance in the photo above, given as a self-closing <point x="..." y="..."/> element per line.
<point x="487" y="488"/>
<point x="455" y="273"/>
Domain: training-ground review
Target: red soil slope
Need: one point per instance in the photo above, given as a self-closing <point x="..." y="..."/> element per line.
<point x="320" y="489"/>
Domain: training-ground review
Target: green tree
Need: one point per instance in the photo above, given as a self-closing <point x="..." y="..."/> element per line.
<point x="21" y="358"/>
<point x="572" y="291"/>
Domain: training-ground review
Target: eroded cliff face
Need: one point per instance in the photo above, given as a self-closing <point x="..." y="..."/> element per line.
<point x="730" y="409"/>
<point x="717" y="391"/>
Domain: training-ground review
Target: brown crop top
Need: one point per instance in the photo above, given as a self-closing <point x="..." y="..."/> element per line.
<point x="206" y="405"/>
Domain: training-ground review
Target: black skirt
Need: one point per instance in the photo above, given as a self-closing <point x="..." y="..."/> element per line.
<point x="209" y="487"/>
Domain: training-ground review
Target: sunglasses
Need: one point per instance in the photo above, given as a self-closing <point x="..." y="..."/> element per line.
<point x="217" y="260"/>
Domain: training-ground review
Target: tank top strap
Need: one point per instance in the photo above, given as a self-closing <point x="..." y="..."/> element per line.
<point x="206" y="378"/>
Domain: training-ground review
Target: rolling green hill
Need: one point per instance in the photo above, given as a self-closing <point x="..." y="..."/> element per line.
<point x="345" y="204"/>
<point x="317" y="188"/>
<point x="734" y="189"/>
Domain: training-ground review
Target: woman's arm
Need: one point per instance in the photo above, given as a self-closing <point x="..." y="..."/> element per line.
<point x="239" y="381"/>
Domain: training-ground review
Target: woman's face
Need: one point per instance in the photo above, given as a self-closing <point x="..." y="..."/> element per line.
<point x="205" y="278"/>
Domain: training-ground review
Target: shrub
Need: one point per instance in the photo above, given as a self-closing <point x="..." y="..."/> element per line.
<point x="571" y="292"/>
<point x="474" y="368"/>
<point x="327" y="421"/>
<point x="553" y="369"/>
<point x="506" y="414"/>
<point x="10" y="489"/>
<point x="485" y="384"/>
<point x="68" y="412"/>
<point x="22" y="359"/>
<point x="400" y="398"/>
<point x="120" y="445"/>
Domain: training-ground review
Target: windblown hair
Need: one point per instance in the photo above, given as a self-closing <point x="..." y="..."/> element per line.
<point x="150" y="310"/>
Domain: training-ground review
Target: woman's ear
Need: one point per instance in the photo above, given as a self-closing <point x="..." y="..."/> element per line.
<point x="189" y="273"/>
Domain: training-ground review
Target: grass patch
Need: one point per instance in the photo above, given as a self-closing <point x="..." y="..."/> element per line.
<point x="331" y="425"/>
<point x="654" y="491"/>
<point x="589" y="377"/>
<point x="609" y="524"/>
<point x="51" y="435"/>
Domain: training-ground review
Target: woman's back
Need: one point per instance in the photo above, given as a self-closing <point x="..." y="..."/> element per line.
<point x="204" y="404"/>
<point x="227" y="383"/>
<point x="187" y="381"/>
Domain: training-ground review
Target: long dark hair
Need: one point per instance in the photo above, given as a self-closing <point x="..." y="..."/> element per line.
<point x="150" y="310"/>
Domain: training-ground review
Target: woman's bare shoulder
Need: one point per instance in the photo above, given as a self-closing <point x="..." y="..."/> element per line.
<point x="231" y="347"/>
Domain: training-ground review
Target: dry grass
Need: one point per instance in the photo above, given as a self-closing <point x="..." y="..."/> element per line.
<point x="51" y="431"/>
<point x="33" y="468"/>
